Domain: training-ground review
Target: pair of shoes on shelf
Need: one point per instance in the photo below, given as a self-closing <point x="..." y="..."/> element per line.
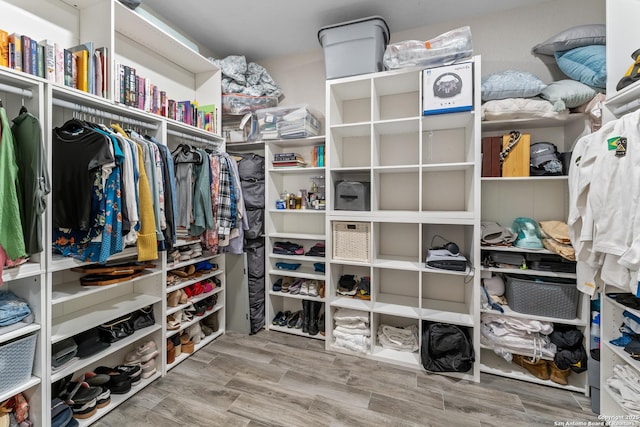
<point x="309" y="287"/>
<point x="188" y="346"/>
<point x="142" y="353"/>
<point x="211" y="321"/>
<point x="294" y="288"/>
<point x="176" y="298"/>
<point x="281" y="318"/>
<point x="295" y="320"/>
<point x="543" y="369"/>
<point x="171" y="352"/>
<point x="185" y="272"/>
<point x="174" y="320"/>
<point x="81" y="397"/>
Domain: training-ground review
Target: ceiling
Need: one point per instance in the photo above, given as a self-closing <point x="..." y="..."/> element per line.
<point x="261" y="29"/>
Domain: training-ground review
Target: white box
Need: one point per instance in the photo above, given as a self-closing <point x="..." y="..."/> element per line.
<point x="447" y="89"/>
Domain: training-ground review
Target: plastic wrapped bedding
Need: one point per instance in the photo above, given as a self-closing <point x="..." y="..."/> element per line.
<point x="238" y="76"/>
<point x="520" y="108"/>
<point x="510" y="335"/>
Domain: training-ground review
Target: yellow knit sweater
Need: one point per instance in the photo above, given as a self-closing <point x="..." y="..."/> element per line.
<point x="147" y="242"/>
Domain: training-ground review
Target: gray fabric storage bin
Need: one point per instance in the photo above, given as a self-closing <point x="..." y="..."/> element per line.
<point x="542" y="296"/>
<point x="353" y="196"/>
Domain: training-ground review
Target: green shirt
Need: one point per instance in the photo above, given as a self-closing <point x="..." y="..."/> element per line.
<point x="11" y="236"/>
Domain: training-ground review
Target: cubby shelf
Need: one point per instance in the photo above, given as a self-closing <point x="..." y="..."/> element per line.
<point x="377" y="134"/>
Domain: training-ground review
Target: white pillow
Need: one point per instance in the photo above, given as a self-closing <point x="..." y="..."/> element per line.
<point x="520" y="108"/>
<point x="510" y="84"/>
<point x="568" y="94"/>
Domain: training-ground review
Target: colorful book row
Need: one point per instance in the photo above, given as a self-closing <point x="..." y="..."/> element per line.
<point x="82" y="67"/>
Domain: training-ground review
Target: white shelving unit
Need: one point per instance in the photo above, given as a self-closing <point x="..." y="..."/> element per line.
<point x="425" y="182"/>
<point x="541" y="198"/>
<point x="305" y="227"/>
<point x="618" y="103"/>
<point x="62" y="307"/>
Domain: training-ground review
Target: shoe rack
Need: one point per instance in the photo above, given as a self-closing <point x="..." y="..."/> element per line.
<point x="541" y="198"/>
<point x="305" y="227"/>
<point x="424" y="180"/>
<point x="197" y="305"/>
<point x="63" y="308"/>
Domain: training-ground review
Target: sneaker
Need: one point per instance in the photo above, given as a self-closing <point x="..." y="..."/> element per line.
<point x="134" y="372"/>
<point x="277" y="285"/>
<point x="313" y="288"/>
<point x="143" y="353"/>
<point x="104" y="398"/>
<point x="148" y="368"/>
<point x="293" y="320"/>
<point x="304" y="288"/>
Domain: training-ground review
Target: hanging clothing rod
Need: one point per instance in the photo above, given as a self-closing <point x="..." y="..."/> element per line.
<point x="193" y="138"/>
<point x="100" y="113"/>
<point x="16" y="90"/>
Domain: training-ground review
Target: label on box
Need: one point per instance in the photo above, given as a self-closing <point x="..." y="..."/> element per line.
<point x="447" y="89"/>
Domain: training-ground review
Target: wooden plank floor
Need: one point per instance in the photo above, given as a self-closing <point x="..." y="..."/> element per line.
<point x="277" y="379"/>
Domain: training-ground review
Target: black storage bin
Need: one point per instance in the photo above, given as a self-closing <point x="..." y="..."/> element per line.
<point x="353" y="196"/>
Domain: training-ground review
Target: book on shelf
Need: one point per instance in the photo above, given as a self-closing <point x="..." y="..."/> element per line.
<point x="34" y="57"/>
<point x="49" y="59"/>
<point x="88" y="69"/>
<point x="287" y="157"/>
<point x="288" y="164"/>
<point x="59" y="64"/>
<point x="81" y="60"/>
<point x="4" y="48"/>
<point x="68" y="67"/>
<point x="74" y="70"/>
<point x="14" y="40"/>
<point x="102" y="60"/>
<point x="25" y="49"/>
<point x="98" y="73"/>
<point x="209" y="113"/>
<point x="41" y="61"/>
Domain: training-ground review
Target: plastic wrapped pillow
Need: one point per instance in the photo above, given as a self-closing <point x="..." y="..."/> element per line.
<point x="443" y="49"/>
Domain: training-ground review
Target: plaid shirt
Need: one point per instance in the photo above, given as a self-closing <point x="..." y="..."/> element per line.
<point x="224" y="201"/>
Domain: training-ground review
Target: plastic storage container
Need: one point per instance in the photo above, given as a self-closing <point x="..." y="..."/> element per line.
<point x="354" y="47"/>
<point x="16" y="362"/>
<point x="548" y="296"/>
<point x="446" y="48"/>
<point x="287" y="123"/>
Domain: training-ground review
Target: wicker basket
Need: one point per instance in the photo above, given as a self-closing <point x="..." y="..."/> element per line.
<point x="548" y="296"/>
<point x="351" y="241"/>
<point x="16" y="361"/>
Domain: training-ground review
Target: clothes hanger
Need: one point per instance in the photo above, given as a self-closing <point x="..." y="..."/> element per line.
<point x="23" y="109"/>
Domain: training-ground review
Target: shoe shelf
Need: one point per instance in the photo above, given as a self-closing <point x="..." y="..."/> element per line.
<point x="354" y="303"/>
<point x="303" y="272"/>
<point x="117" y="400"/>
<point x="193" y="300"/>
<point x="299" y="236"/>
<point x="69" y="291"/>
<point x="295" y="296"/>
<point x="294" y="331"/>
<point x="196" y="319"/>
<point x="77" y="321"/>
<point x="113" y="348"/>
<point x="59" y="262"/>
<point x="496" y="365"/>
<point x="205" y="257"/>
<point x="203" y="342"/>
<point x="189" y="282"/>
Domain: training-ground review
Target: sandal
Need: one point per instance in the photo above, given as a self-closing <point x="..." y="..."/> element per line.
<point x="208" y="286"/>
<point x="184" y="298"/>
<point x="180" y="272"/>
<point x="174" y="321"/>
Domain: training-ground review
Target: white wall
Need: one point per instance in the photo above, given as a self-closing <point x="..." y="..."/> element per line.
<point x="504" y="40"/>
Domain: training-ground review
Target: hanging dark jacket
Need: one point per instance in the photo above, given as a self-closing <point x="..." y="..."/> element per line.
<point x="33" y="176"/>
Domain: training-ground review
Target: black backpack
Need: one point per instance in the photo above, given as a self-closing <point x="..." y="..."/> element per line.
<point x="446" y="348"/>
